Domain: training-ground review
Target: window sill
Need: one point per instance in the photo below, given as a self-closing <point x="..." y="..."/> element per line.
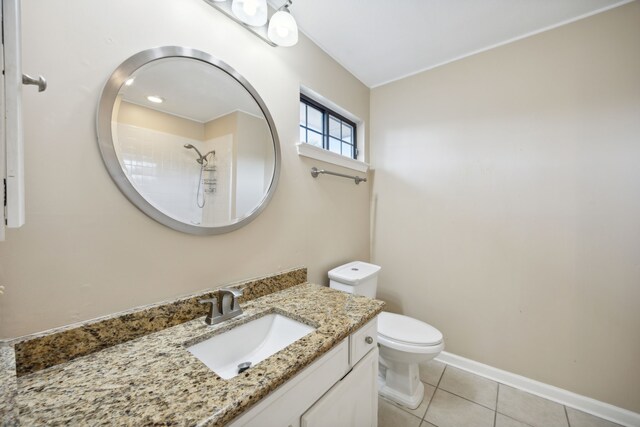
<point x="308" y="150"/>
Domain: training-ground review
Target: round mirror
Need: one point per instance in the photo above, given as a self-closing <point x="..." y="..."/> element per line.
<point x="188" y="140"/>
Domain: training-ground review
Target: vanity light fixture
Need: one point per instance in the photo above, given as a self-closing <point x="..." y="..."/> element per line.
<point x="283" y="29"/>
<point x="280" y="30"/>
<point x="251" y="12"/>
<point x="155" y="99"/>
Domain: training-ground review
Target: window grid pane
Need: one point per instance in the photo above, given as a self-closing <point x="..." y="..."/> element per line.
<point x="335" y="127"/>
<point x="315" y="119"/>
<point x="323" y="128"/>
<point x="303" y="114"/>
<point x="314" y="138"/>
<point x="347" y="149"/>
<point x="334" y="145"/>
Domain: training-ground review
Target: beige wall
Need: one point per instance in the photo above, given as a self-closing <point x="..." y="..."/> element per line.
<point x="85" y="250"/>
<point x="138" y="115"/>
<point x="252" y="157"/>
<point x="506" y="204"/>
<point x="225" y="125"/>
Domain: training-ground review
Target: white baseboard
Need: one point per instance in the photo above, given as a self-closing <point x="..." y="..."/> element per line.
<point x="586" y="404"/>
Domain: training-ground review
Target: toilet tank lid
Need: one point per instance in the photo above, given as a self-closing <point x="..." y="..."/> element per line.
<point x="354" y="272"/>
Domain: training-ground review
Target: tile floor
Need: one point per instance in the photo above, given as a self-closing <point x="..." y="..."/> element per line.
<point x="456" y="398"/>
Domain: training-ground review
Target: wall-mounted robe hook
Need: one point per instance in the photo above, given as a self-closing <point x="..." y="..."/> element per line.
<point x="40" y="82"/>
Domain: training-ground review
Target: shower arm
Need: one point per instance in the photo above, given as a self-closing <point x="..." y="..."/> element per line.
<point x="201" y="159"/>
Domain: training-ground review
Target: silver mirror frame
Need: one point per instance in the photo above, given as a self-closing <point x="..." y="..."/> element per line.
<point x="110" y="158"/>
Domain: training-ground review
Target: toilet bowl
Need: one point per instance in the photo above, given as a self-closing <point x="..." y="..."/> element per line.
<point x="404" y="342"/>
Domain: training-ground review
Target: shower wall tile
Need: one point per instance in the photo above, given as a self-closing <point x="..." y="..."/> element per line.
<point x="158" y="166"/>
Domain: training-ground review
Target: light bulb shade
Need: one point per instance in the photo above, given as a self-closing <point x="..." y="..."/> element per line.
<point x="251" y="12"/>
<point x="283" y="29"/>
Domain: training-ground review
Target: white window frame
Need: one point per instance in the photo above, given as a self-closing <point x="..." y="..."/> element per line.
<point x="317" y="153"/>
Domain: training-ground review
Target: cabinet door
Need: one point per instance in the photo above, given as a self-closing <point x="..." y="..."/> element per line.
<point x="11" y="140"/>
<point x="352" y="402"/>
<point x="282" y="408"/>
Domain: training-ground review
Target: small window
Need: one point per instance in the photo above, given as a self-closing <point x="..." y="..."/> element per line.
<point x="327" y="129"/>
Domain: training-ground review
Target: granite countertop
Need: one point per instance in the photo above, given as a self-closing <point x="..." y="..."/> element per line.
<point x="8" y="387"/>
<point x="154" y="380"/>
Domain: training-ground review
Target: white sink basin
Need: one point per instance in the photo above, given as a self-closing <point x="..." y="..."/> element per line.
<point x="251" y="342"/>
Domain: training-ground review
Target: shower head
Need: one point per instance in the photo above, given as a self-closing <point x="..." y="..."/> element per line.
<point x="189" y="147"/>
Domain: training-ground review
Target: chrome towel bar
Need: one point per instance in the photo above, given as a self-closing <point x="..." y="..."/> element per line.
<point x="315" y="172"/>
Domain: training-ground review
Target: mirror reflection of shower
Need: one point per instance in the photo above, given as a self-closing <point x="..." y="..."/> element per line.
<point x="206" y="185"/>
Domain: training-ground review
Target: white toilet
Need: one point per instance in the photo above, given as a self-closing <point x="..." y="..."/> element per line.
<point x="404" y="341"/>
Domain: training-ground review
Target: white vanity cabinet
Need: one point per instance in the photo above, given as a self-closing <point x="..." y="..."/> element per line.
<point x="339" y="389"/>
<point x="352" y="402"/>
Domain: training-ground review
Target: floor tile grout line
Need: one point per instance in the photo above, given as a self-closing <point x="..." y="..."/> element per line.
<point x="442" y="375"/>
<point x="429" y="404"/>
<point x="486" y="407"/>
<point x="495" y="414"/>
<point x="495" y="409"/>
<point x="402" y="408"/>
<point x="434" y="393"/>
<point x="526" y="392"/>
<point x="468" y="400"/>
<point x="514" y="419"/>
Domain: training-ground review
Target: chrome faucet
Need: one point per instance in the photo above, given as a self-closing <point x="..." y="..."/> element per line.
<point x="230" y="304"/>
<point x="223" y="307"/>
<point x="214" y="311"/>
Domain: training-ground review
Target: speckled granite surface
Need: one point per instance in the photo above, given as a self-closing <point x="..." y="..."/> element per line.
<point x="40" y="351"/>
<point x="8" y="387"/>
<point x="154" y="380"/>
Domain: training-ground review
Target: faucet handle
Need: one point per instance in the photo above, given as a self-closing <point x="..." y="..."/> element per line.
<point x="235" y="294"/>
<point x="214" y="310"/>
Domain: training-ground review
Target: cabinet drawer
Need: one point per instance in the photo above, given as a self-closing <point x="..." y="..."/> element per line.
<point x="363" y="340"/>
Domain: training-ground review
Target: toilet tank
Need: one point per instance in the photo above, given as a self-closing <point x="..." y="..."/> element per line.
<point x="357" y="277"/>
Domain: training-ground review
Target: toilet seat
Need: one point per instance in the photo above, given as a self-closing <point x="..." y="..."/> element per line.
<point x="405" y="333"/>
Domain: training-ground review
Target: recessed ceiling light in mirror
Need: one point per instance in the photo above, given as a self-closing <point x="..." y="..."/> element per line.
<point x="155" y="99"/>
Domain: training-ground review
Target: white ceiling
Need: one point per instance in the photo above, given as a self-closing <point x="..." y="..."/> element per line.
<point x="190" y="88"/>
<point x="380" y="41"/>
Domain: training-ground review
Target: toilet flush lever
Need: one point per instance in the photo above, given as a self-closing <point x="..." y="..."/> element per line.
<point x="40" y="82"/>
